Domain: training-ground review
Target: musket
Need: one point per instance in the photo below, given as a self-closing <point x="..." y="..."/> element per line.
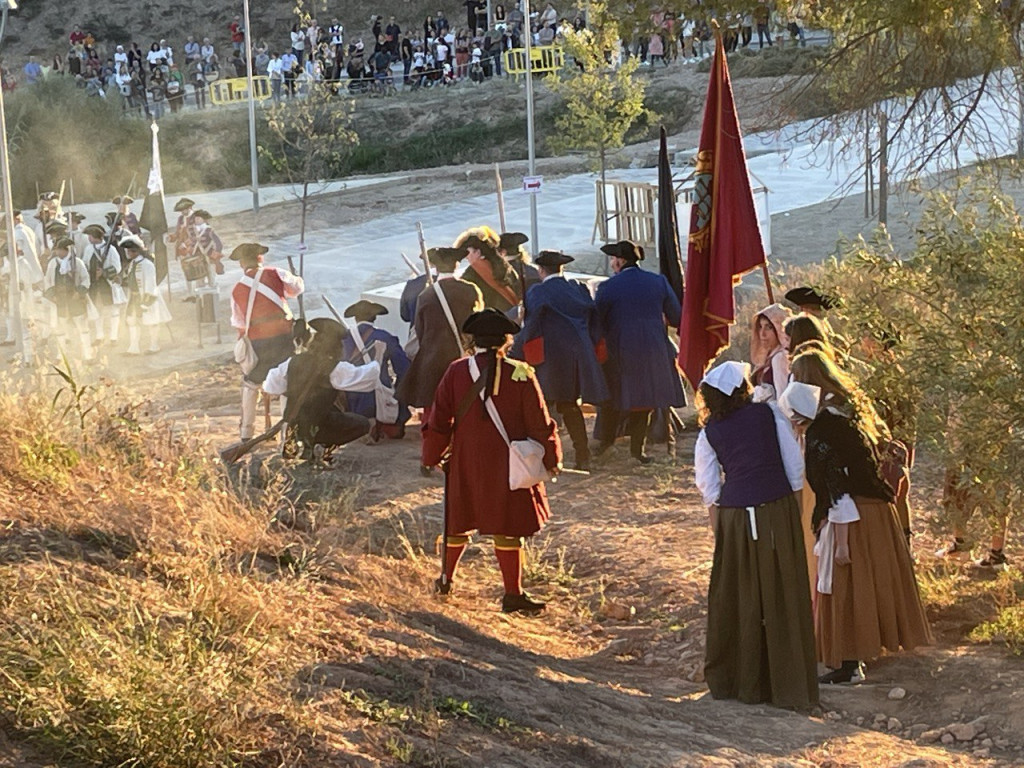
<point x="410" y="265"/>
<point x="423" y="252"/>
<point x="302" y="306"/>
<point x="234" y="452"/>
<point x="113" y="226"/>
<point x="362" y="348"/>
<point x="501" y="196"/>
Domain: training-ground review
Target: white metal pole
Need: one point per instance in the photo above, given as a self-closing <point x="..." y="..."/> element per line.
<point x="253" y="156"/>
<point x="22" y="344"/>
<point x="532" y="152"/>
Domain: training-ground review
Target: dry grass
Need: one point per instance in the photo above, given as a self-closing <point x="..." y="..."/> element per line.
<point x="139" y="622"/>
<point x="157" y="610"/>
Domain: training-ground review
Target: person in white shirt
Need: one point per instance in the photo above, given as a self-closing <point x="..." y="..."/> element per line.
<point x="120" y="57"/>
<point x="155" y="56"/>
<point x="168" y="52"/>
<point x="298" y="42"/>
<point x="206" y="50"/>
<point x="275" y="72"/>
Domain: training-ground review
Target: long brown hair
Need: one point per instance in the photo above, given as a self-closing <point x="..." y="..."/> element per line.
<point x="814" y="366"/>
<point x="713" y="404"/>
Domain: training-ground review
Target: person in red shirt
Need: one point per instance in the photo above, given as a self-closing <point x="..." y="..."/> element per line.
<point x="77" y="35"/>
<point x="237" y="34"/>
<point x="476" y="457"/>
<point x="266" y="320"/>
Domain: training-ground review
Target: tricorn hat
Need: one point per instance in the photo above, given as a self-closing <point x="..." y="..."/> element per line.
<point x="122" y="200"/>
<point x="624" y="249"/>
<point x="95" y="230"/>
<point x="365" y="311"/>
<point x="445" y="259"/>
<point x="806" y="296"/>
<point x="510" y="241"/>
<point x="77" y="217"/>
<point x="248" y="252"/>
<point x="489" y="322"/>
<point x="132" y="242"/>
<point x="204" y="215"/>
<point x="328" y="329"/>
<point x="55" y="227"/>
<point x="111" y="218"/>
<point x="552" y="259"/>
<point x="63" y="244"/>
<point x="182" y="204"/>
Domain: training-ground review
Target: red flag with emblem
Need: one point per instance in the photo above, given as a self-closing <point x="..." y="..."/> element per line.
<point x="725" y="241"/>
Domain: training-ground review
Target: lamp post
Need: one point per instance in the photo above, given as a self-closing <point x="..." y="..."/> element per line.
<point x="23" y="346"/>
<point x="253" y="155"/>
<point x="531" y="149"/>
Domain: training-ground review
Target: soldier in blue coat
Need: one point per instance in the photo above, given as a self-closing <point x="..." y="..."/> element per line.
<point x="633" y="307"/>
<point x="558" y="339"/>
<point x="393" y="364"/>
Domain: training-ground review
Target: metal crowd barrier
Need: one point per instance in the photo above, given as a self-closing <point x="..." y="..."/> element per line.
<point x="236" y="89"/>
<point x="543" y="59"/>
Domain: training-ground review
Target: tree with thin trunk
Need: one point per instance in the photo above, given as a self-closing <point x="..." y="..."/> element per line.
<point x="310" y="136"/>
<point x="602" y="98"/>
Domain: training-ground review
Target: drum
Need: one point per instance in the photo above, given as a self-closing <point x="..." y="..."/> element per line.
<point x="194" y="267"/>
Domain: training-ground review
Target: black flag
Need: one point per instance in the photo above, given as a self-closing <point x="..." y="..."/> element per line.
<point x="669" y="257"/>
<point x="153" y="217"/>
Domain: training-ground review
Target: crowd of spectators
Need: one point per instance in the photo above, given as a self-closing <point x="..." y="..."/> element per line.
<point x="434" y="52"/>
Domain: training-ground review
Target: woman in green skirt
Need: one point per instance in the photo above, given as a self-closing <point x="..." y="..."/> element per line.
<point x="760" y="641"/>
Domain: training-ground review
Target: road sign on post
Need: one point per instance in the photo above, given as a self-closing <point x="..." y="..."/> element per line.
<point x="532" y="184"/>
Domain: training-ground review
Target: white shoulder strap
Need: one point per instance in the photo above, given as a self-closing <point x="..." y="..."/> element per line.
<point x="492" y="409"/>
<point x="252" y="300"/>
<point x="357" y="338"/>
<point x="448" y="313"/>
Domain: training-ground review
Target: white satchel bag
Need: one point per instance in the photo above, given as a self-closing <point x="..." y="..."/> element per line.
<point x="525" y="457"/>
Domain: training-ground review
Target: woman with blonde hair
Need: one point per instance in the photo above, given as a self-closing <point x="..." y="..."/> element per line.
<point x="867" y="592"/>
<point x="768" y="344"/>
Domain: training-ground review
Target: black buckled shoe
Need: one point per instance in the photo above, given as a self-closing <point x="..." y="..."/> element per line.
<point x="442" y="586"/>
<point x="521" y="604"/>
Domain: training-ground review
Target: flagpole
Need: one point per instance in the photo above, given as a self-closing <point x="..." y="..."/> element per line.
<point x="531" y="150"/>
<point x="254" y="170"/>
<point x="21" y="340"/>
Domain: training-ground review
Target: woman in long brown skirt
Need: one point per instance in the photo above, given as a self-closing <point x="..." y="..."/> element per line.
<point x="760" y="641"/>
<point x="867" y="592"/>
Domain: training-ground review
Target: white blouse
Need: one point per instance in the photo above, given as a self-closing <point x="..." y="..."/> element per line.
<point x="345" y="378"/>
<point x="709" y="471"/>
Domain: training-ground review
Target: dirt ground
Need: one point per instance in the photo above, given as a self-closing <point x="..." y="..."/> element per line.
<point x="611" y="675"/>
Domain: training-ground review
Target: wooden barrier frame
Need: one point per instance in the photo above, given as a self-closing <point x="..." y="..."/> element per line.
<point x="236" y="90"/>
<point x="628" y="210"/>
<point x="544" y="59"/>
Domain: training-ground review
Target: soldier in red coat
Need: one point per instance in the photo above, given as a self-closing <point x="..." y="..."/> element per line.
<point x="477" y="485"/>
<point x="268" y="323"/>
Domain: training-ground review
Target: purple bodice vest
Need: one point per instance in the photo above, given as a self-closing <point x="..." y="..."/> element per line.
<point x="747" y="447"/>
